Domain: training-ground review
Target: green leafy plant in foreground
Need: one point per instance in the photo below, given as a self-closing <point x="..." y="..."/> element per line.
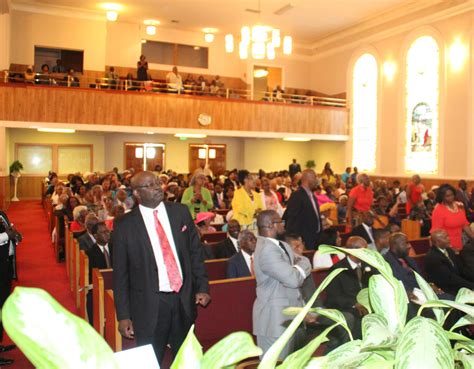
<point x="388" y="340"/>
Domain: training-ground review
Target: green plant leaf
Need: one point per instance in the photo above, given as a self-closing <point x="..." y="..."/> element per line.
<point x="465" y="296"/>
<point x="190" y="353"/>
<point x="430" y="295"/>
<point x="363" y="299"/>
<point x="270" y="358"/>
<point x="466" y="360"/>
<point x="375" y="333"/>
<point x="463" y="321"/>
<point x="50" y="336"/>
<point x="230" y="350"/>
<point x="453" y="336"/>
<point x="299" y="358"/>
<point x="316" y="363"/>
<point x="467" y="346"/>
<point x="390" y="303"/>
<point x="344" y="352"/>
<point x="468" y="309"/>
<point x="423" y="344"/>
<point x="376" y="361"/>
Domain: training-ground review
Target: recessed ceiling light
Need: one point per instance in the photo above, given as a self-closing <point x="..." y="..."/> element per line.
<point x="190" y="135"/>
<point x="297" y="139"/>
<point x="150" y="133"/>
<point x="57" y="130"/>
<point x="111" y="15"/>
<point x="151" y="22"/>
<point x="111" y="6"/>
<point x="210" y="30"/>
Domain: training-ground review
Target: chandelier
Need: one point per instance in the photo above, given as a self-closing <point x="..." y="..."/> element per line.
<point x="259" y="41"/>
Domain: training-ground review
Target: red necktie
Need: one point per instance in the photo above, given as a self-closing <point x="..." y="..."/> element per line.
<point x="335" y="259"/>
<point x="168" y="257"/>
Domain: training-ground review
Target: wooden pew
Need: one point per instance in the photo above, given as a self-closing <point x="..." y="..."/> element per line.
<point x="222" y="212"/>
<point x="421" y="245"/>
<point x="213" y="237"/>
<point x="67" y="246"/>
<point x="83" y="284"/>
<point x="216" y="269"/>
<point x="309" y="254"/>
<point x="218" y="227"/>
<point x="411" y="228"/>
<point x="420" y="260"/>
<point x="101" y="281"/>
<point x="75" y="271"/>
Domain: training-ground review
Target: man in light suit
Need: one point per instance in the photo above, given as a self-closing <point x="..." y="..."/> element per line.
<point x="279" y="274"/>
<point x="242" y="263"/>
<point x="159" y="274"/>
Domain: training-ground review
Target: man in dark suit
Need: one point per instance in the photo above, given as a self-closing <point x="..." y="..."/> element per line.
<point x="87" y="240"/>
<point x="9" y="238"/>
<point x="462" y="195"/>
<point x="159" y="273"/>
<point x="294" y="168"/>
<point x="342" y="291"/>
<point x="442" y="266"/>
<point x="241" y="264"/>
<point x="302" y="214"/>
<point x="366" y="230"/>
<point x="100" y="256"/>
<point x="230" y="246"/>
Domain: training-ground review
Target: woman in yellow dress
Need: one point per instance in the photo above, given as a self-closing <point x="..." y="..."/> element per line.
<point x="246" y="203"/>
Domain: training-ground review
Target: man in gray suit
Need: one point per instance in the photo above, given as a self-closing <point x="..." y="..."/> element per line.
<point x="279" y="273"/>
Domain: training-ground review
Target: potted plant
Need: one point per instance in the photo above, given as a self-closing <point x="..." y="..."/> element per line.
<point x="15" y="169"/>
<point x="310" y="164"/>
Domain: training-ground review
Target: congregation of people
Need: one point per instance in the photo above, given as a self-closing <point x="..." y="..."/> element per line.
<point x="270" y="219"/>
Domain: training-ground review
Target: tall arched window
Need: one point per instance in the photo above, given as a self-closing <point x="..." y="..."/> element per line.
<point x="422" y="99"/>
<point x="364" y="112"/>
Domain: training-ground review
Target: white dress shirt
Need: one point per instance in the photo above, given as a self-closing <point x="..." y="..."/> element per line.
<point x="248" y="260"/>
<point x="277" y="243"/>
<point x="148" y="218"/>
<point x="3" y="238"/>
<point x="235" y="243"/>
<point x="369" y="231"/>
<point x="106" y="247"/>
<point x="353" y="264"/>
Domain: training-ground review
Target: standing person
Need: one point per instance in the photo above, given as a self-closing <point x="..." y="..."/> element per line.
<point x="159" y="274"/>
<point x="197" y="197"/>
<point x="174" y="80"/>
<point x="345" y="176"/>
<point x="361" y="198"/>
<point x="59" y="67"/>
<point x="462" y="195"/>
<point x="246" y="202"/>
<point x="449" y="215"/>
<point x="142" y="69"/>
<point x="302" y="215"/>
<point x="279" y="275"/>
<point x="9" y="239"/>
<point x="414" y="191"/>
<point x="294" y="168"/>
<point x="270" y="199"/>
<point x="328" y="174"/>
<point x="242" y="264"/>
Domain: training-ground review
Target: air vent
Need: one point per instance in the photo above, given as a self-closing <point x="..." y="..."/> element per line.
<point x="283" y="9"/>
<point x="174" y="21"/>
<point x="256" y="11"/>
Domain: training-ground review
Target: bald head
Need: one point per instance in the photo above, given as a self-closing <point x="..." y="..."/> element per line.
<point x="269" y="224"/>
<point x="398" y="243"/>
<point x="440" y="238"/>
<point x="356" y="242"/>
<point x="309" y="179"/>
<point x="147" y="189"/>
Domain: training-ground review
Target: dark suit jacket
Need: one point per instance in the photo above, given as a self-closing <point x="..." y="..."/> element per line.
<point x="446" y="276"/>
<point x="361" y="232"/>
<point x="224" y="249"/>
<point x="7" y="263"/>
<point x="301" y="219"/>
<point x="85" y="242"/>
<point x="294" y="168"/>
<point x="467" y="261"/>
<point x="135" y="276"/>
<point x="405" y="275"/>
<point x="97" y="258"/>
<point x="342" y="291"/>
<point x="237" y="267"/>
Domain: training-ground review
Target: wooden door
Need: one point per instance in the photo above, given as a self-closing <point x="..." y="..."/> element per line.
<point x="131" y="161"/>
<point x="217" y="164"/>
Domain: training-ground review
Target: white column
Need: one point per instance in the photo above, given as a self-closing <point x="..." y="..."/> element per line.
<point x="5" y="41"/>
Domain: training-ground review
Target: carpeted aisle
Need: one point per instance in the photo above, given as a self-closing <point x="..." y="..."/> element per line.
<point x="37" y="266"/>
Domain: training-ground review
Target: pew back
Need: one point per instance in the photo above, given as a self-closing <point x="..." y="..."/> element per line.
<point x="421" y="245"/>
<point x="83" y="284"/>
<point x="411" y="228"/>
<point x="213" y="237"/>
<point x="101" y="281"/>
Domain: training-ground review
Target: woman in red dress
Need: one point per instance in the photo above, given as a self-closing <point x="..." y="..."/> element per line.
<point x="414" y="192"/>
<point x="450" y="216"/>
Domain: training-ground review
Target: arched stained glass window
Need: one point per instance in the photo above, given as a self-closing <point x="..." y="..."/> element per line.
<point x="364" y="112"/>
<point x="422" y="99"/>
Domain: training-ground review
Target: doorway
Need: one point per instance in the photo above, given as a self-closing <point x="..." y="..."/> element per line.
<point x="212" y="156"/>
<point x="265" y="80"/>
<point x="144" y="156"/>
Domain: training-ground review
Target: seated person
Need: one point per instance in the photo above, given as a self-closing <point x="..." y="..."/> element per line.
<point x="342" y="291"/>
<point x="342" y="209"/>
<point x="419" y="213"/>
<point x="325" y="211"/>
<point x="366" y="230"/>
<point x="100" y="256"/>
<point x="79" y="214"/>
<point x="203" y="222"/>
<point x="381" y="238"/>
<point x="403" y="268"/>
<point x="442" y="265"/>
<point x="87" y="240"/>
<point x="467" y="260"/>
<point x="230" y="246"/>
<point x="241" y="264"/>
<point x="331" y="237"/>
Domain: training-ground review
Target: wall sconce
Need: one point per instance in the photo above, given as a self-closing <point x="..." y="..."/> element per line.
<point x="457" y="55"/>
<point x="389" y="69"/>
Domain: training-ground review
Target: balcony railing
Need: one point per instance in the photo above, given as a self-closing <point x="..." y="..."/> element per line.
<point x="62" y="80"/>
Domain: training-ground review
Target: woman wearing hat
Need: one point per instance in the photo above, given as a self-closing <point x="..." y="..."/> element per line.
<point x="203" y="222"/>
<point x="196" y="197"/>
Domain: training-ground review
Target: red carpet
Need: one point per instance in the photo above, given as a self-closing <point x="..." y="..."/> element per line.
<point x="36" y="263"/>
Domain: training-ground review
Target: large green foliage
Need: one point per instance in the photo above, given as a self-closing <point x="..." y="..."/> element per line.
<point x="43" y="329"/>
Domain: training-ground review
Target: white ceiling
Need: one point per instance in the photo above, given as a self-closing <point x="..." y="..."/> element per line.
<point x="308" y="21"/>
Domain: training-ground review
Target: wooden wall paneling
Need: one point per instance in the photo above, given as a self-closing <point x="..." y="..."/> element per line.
<point x="109" y="107"/>
<point x="5" y="194"/>
<point x="29" y="187"/>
